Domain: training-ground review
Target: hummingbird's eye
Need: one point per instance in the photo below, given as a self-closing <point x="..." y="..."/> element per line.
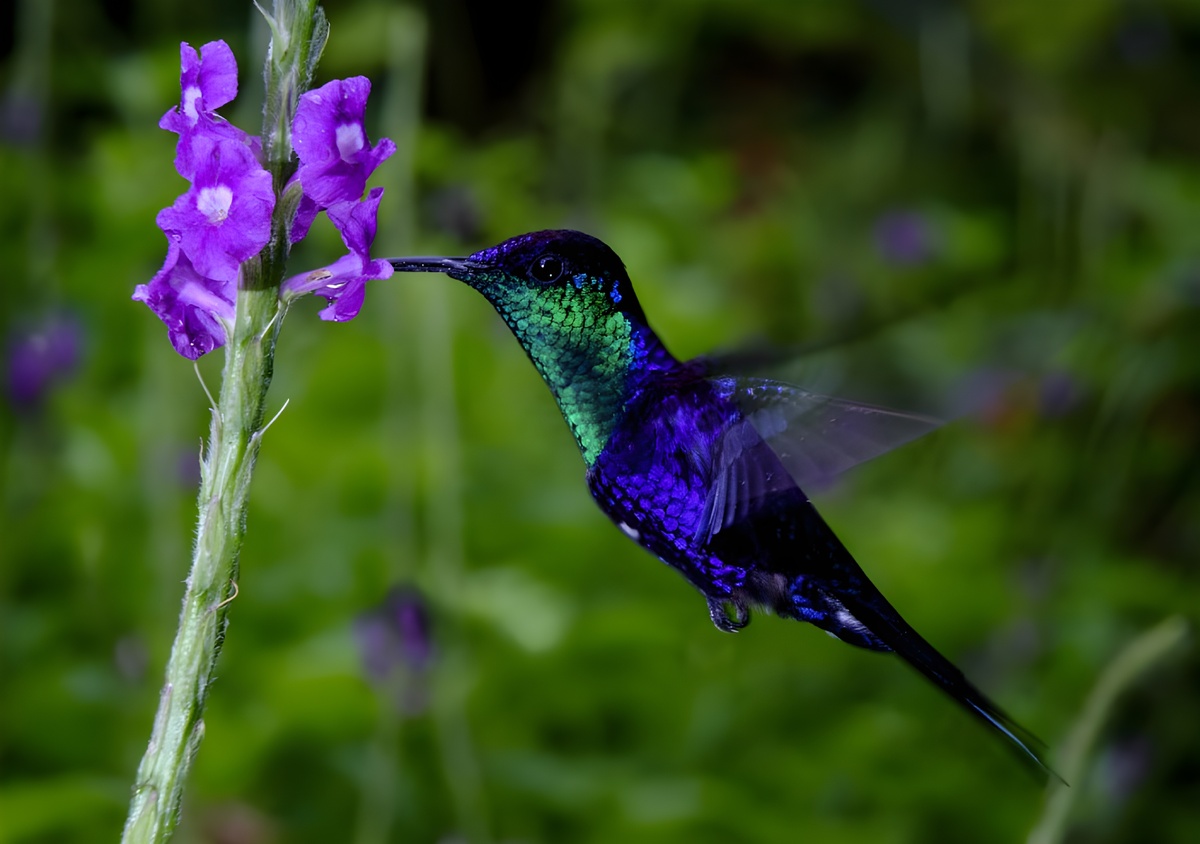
<point x="547" y="269"/>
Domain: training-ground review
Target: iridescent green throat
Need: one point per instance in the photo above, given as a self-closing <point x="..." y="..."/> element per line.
<point x="588" y="351"/>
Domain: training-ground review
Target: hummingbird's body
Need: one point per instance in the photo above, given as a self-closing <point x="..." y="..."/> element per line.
<point x="703" y="470"/>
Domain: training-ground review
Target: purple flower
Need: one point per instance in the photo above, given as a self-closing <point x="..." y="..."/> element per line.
<point x="207" y="82"/>
<point x="194" y="308"/>
<point x="22" y="118"/>
<point x="39" y="355"/>
<point x="344" y="282"/>
<point x="1124" y="765"/>
<point x="336" y="158"/>
<point x="395" y="642"/>
<point x="986" y="394"/>
<point x="225" y="217"/>
<point x="306" y="212"/>
<point x="905" y="238"/>
<point x="1058" y="393"/>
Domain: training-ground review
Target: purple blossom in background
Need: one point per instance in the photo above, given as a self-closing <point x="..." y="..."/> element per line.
<point x="1058" y="393"/>
<point x="1124" y="766"/>
<point x="207" y="82"/>
<point x="336" y="158"/>
<point x="22" y="118"/>
<point x="225" y="217"/>
<point x="39" y="356"/>
<point x="187" y="469"/>
<point x="905" y="238"/>
<point x="395" y="643"/>
<point x="192" y="305"/>
<point x="985" y="394"/>
<point x="344" y="282"/>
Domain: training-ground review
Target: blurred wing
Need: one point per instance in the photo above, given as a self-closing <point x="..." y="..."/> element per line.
<point x="817" y="437"/>
<point x="787" y="437"/>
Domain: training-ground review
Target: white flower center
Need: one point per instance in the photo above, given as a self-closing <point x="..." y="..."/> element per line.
<point x="350" y="139"/>
<point x="214" y="203"/>
<point x="190" y="97"/>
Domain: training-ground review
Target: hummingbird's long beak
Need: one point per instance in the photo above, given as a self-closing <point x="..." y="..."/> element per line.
<point x="434" y="265"/>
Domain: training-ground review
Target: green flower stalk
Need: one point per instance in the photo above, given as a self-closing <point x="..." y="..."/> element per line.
<point x="1141" y="655"/>
<point x="223" y="283"/>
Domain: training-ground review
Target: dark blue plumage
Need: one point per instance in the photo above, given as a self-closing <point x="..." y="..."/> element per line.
<point x="705" y="470"/>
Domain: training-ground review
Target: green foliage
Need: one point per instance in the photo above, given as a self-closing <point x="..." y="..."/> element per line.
<point x="759" y="167"/>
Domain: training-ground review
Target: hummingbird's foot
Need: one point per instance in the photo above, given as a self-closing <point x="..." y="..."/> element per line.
<point x="718" y="611"/>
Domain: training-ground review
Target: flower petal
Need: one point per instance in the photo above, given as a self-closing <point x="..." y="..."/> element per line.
<point x="217" y="75"/>
<point x="330" y="139"/>
<point x="194" y="308"/>
<point x="225" y="217"/>
<point x="306" y="213"/>
<point x="344" y="281"/>
<point x="206" y="83"/>
<point x="356" y="221"/>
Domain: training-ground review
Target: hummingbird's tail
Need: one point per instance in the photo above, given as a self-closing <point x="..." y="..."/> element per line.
<point x="860" y="615"/>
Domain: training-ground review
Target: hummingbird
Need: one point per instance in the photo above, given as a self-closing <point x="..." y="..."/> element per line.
<point x="706" y="470"/>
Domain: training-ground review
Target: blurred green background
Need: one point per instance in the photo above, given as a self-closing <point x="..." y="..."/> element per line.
<point x="986" y="210"/>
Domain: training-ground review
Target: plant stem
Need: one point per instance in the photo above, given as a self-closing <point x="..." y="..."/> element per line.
<point x="1139" y="656"/>
<point x="224" y="489"/>
<point x="298" y="36"/>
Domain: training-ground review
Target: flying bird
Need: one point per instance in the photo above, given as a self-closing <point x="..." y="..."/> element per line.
<point x="706" y="470"/>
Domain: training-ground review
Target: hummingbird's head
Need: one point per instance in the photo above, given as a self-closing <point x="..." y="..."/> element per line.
<point x="567" y="298"/>
<point x="558" y="275"/>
